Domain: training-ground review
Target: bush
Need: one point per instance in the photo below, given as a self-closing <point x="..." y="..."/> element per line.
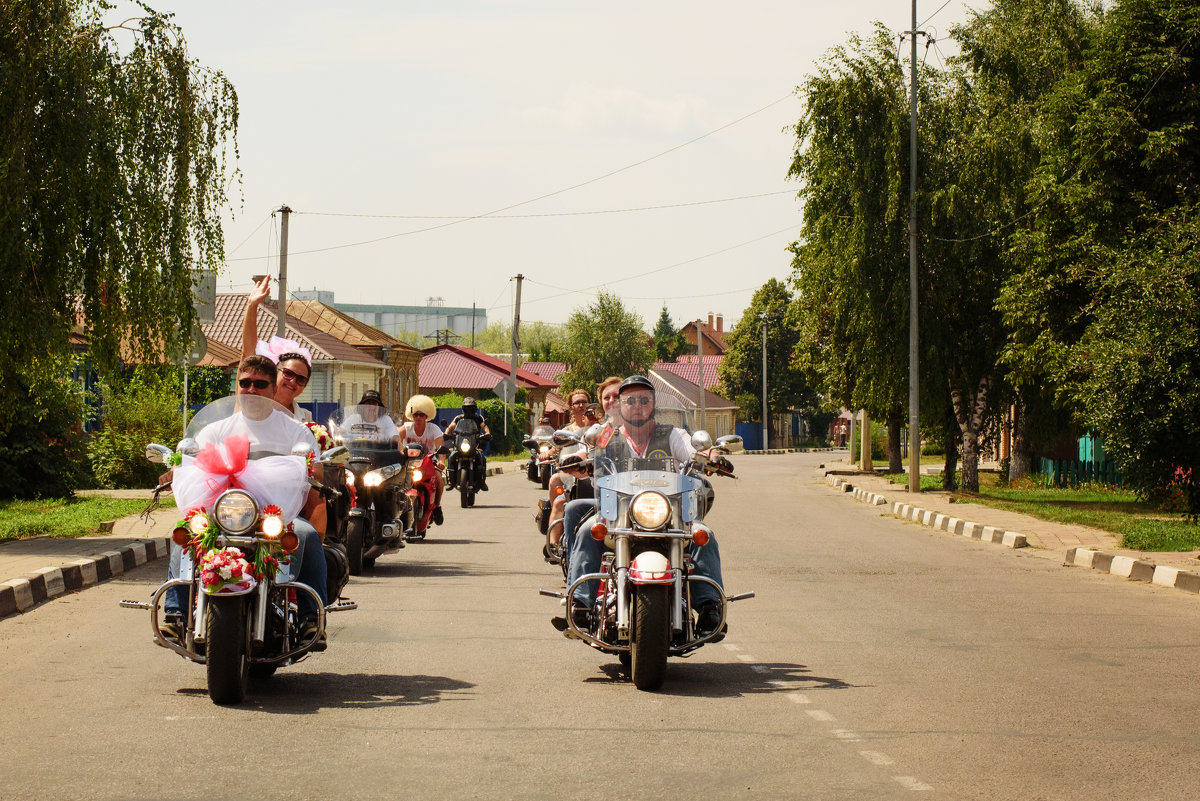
<point x="142" y="407"/>
<point x="42" y="452"/>
<point x="518" y="423"/>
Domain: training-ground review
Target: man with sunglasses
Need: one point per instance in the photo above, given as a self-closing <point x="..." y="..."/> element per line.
<point x="641" y="436"/>
<point x="276" y="433"/>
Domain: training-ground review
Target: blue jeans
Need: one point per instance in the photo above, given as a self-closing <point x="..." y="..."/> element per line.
<point x="307" y="566"/>
<point x="586" y="554"/>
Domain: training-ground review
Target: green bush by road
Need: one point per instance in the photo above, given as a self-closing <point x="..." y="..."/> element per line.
<point x="74" y="517"/>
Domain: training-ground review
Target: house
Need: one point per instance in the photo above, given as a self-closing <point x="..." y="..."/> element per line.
<point x="674" y="391"/>
<point x="686" y="367"/>
<point x="713" y="334"/>
<point x="402" y="359"/>
<point x="340" y="372"/>
<point x="451" y="368"/>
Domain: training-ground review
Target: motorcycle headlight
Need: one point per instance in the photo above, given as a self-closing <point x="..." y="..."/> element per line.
<point x="465" y="446"/>
<point x="272" y="526"/>
<point x="650" y="510"/>
<point x="377" y="477"/>
<point x="198" y="523"/>
<point x="236" y="512"/>
<point x="349" y="478"/>
<point x="544" y="449"/>
<point x="417" y="475"/>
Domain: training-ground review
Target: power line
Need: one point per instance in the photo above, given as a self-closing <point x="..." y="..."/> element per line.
<point x="934" y="14"/>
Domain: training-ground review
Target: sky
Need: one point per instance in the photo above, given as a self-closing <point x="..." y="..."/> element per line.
<point x="437" y="149"/>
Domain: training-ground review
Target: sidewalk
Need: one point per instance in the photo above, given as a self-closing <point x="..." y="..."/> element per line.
<point x="1068" y="544"/>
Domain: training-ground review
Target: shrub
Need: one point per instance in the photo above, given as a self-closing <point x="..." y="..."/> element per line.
<point x="42" y="452"/>
<point x="144" y="406"/>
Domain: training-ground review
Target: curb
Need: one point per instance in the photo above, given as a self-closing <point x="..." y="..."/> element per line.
<point x="934" y="520"/>
<point x="22" y="594"/>
<point x="1134" y="569"/>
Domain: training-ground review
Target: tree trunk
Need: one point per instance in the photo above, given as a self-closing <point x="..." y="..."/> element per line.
<point x="895" y="425"/>
<point x="1020" y="460"/>
<point x="970" y="407"/>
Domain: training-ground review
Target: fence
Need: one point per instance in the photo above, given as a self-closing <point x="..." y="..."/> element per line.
<point x="1073" y="472"/>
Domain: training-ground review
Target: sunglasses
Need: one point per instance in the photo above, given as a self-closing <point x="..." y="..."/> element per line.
<point x="257" y="383"/>
<point x="640" y="400"/>
<point x="299" y="379"/>
<point x="580" y="403"/>
<point x="419" y="414"/>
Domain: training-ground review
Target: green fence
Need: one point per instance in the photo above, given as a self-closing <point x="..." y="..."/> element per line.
<point x="1073" y="472"/>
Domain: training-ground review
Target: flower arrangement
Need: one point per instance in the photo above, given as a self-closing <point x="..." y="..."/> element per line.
<point x="204" y="533"/>
<point x="321" y="434"/>
<point x="226" y="571"/>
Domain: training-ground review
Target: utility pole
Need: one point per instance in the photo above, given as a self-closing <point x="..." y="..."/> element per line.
<point x="516" y="344"/>
<point x="281" y="310"/>
<point x="472" y="326"/>
<point x="764" y="337"/>
<point x="914" y="411"/>
<point x="700" y="363"/>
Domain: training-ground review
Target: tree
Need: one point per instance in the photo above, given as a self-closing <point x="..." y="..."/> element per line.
<point x="113" y="169"/>
<point x="604" y="339"/>
<point x="542" y="341"/>
<point x="741" y="370"/>
<point x="669" y="342"/>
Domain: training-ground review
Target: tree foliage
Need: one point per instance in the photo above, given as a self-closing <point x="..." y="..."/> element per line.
<point x="669" y="342"/>
<point x="113" y="174"/>
<point x="604" y="339"/>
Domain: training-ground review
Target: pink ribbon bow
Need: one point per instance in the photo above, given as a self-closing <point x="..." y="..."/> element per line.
<point x="279" y="346"/>
<point x="222" y="464"/>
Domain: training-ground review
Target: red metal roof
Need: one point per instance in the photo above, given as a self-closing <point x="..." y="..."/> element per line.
<point x="456" y="367"/>
<point x="686" y="368"/>
<point x="548" y="370"/>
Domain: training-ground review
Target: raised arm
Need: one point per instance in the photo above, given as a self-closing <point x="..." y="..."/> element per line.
<point x="260" y="292"/>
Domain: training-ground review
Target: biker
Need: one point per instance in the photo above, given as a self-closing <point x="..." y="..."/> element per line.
<point x="641" y="436"/>
<point x="578" y="402"/>
<point x="420" y="411"/>
<point x="470" y="411"/>
<point x="293" y="362"/>
<point x="278" y="433"/>
<point x="370" y="422"/>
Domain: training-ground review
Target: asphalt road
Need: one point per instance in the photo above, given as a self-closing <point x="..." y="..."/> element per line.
<point x="880" y="659"/>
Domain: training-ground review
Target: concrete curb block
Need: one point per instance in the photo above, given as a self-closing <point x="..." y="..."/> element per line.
<point x="22" y="594"/>
<point x="931" y="519"/>
<point x="1135" y="569"/>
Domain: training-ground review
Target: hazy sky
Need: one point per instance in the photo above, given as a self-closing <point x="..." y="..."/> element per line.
<point x="382" y="123"/>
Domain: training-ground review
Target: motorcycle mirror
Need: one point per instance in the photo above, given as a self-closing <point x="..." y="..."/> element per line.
<point x="158" y="454"/>
<point x="730" y="443"/>
<point x="300" y="449"/>
<point x="564" y="437"/>
<point x="593" y="431"/>
<point x="529" y="443"/>
<point x="336" y="455"/>
<point x="188" y="446"/>
<point x="701" y="440"/>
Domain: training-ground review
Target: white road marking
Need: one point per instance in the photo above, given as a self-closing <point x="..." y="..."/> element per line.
<point x="745" y="657"/>
<point x="847" y="735"/>
<point x="761" y="669"/>
<point x="876" y="758"/>
<point x="821" y="715"/>
<point x="729" y="646"/>
<point x="798" y="698"/>
<point x="912" y="783"/>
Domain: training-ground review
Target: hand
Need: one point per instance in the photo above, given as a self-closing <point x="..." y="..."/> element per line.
<point x="260" y="292"/>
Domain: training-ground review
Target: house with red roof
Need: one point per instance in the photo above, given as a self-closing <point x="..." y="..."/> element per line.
<point x="465" y="371"/>
<point x="713" y="334"/>
<point x="687" y="368"/>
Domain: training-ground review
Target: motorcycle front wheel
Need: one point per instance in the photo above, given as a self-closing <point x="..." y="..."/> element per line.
<point x="651" y="637"/>
<point x="227" y="653"/>
<point x="355" y="535"/>
<point x="545" y="475"/>
<point x="464" y="488"/>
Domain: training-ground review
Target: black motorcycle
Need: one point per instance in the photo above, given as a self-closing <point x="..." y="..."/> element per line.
<point x="541" y="455"/>
<point x="375" y="469"/>
<point x="465" y="468"/>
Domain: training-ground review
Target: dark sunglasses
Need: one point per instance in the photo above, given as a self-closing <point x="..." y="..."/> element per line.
<point x="419" y="414"/>
<point x="579" y="403"/>
<point x="643" y="400"/>
<point x="299" y="379"/>
<point x="257" y="383"/>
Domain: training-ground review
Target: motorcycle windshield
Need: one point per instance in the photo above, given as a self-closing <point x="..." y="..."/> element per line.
<point x="244" y="442"/>
<point x="364" y="428"/>
<point x="542" y="432"/>
<point x="618" y="479"/>
<point x="466" y="428"/>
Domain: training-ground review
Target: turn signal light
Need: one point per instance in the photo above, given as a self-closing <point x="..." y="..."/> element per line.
<point x="180" y="536"/>
<point x="599" y="531"/>
<point x="289" y="541"/>
<point x="558" y="490"/>
<point x="700" y="535"/>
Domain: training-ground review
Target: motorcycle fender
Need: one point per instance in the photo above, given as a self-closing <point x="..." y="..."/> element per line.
<point x="243" y="587"/>
<point x="649" y="567"/>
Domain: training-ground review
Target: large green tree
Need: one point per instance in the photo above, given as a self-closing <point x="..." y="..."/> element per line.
<point x="113" y="174"/>
<point x="603" y="339"/>
<point x="741" y="370"/>
<point x="669" y="342"/>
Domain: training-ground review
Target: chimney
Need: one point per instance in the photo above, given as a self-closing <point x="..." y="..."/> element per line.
<point x="720" y="323"/>
<point x="710" y="321"/>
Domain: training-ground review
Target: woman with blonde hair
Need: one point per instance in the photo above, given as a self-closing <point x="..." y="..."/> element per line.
<point x="419" y="412"/>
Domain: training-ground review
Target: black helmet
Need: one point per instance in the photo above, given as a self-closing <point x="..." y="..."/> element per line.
<point x="370" y="396"/>
<point x="635" y="381"/>
<point x="468" y="403"/>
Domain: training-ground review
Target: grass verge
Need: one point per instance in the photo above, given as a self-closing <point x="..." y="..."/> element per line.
<point x="1141" y="526"/>
<point x="70" y="517"/>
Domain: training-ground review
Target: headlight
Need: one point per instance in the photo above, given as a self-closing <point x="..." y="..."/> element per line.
<point x="349" y="478"/>
<point x="544" y="449"/>
<point x="198" y="523"/>
<point x="377" y="477"/>
<point x="272" y="526"/>
<point x="417" y="475"/>
<point x="465" y="446"/>
<point x="650" y="510"/>
<point x="236" y="512"/>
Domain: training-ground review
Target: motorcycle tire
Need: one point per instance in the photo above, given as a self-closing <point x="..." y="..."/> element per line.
<point x="228" y="653"/>
<point x="545" y="474"/>
<point x="464" y="488"/>
<point x="650" y="641"/>
<point x="355" y="536"/>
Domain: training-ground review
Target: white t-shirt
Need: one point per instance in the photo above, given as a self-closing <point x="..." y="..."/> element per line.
<point x="381" y="429"/>
<point x="428" y="439"/>
<point x="277" y="434"/>
<point x="302" y="414"/>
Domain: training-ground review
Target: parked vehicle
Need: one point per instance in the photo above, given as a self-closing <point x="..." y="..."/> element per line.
<point x="465" y="467"/>
<point x="240" y="615"/>
<point x="375" y="467"/>
<point x="649" y="510"/>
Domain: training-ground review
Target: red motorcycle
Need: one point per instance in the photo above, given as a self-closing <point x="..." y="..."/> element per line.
<point x="423" y="474"/>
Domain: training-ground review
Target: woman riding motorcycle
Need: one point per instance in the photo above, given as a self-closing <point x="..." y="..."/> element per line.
<point x="420" y="411"/>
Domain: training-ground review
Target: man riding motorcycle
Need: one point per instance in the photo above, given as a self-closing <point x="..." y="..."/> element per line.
<point x="470" y="411"/>
<point x="642" y="436"/>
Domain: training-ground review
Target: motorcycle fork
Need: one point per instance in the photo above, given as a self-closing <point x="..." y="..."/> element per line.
<point x="621" y="572"/>
<point x="260" y="612"/>
<point x="677" y="587"/>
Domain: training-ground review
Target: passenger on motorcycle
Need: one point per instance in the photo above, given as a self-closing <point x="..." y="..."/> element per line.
<point x="419" y="412"/>
<point x="278" y="434"/>
<point x="293" y="362"/>
<point x="561" y="515"/>
<point x="641" y="436"/>
<point x="471" y="411"/>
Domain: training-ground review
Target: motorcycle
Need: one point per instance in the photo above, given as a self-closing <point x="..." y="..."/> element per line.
<point x="541" y="455"/>
<point x="375" y="468"/>
<point x="464" y="469"/>
<point x="239" y="611"/>
<point x="648" y="512"/>
<point x="570" y="458"/>
<point x="421" y="491"/>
